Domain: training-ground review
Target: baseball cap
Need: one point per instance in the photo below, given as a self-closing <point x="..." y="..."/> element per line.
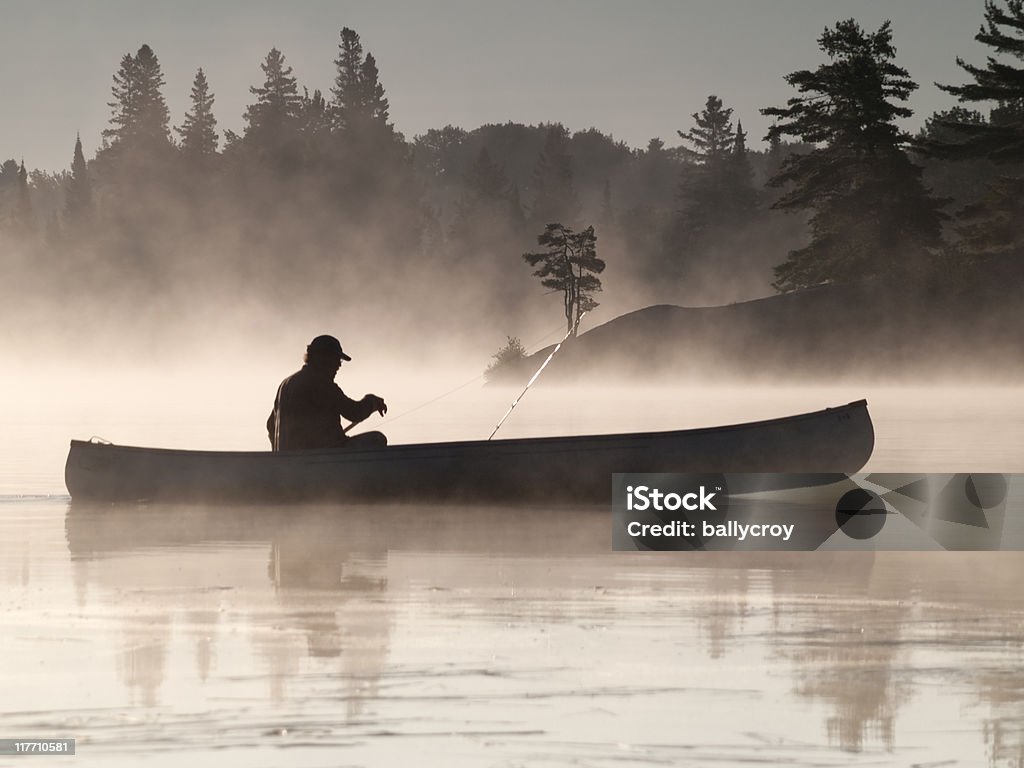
<point x="326" y="345"/>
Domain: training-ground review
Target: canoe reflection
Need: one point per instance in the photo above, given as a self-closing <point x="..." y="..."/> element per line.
<point x="327" y="567"/>
<point x="322" y="536"/>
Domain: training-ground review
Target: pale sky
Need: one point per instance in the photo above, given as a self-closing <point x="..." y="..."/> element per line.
<point x="633" y="69"/>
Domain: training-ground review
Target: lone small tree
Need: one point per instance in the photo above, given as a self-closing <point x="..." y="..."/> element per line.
<point x="570" y="265"/>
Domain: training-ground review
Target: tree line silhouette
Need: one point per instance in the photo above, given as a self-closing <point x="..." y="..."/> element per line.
<point x="319" y="196"/>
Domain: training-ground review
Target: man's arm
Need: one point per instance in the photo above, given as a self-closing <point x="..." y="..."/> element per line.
<point x="358" y="410"/>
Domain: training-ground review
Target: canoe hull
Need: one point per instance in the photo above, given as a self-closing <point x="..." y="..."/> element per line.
<point x="576" y="469"/>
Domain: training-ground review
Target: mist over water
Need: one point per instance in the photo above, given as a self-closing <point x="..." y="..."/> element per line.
<point x="223" y="405"/>
<point x="158" y="292"/>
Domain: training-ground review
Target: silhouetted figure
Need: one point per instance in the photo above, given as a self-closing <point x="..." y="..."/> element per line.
<point x="309" y="405"/>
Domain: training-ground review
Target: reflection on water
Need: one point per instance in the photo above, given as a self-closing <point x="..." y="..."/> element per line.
<point x="848" y="664"/>
<point x="400" y="635"/>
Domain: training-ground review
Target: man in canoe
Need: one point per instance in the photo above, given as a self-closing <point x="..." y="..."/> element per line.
<point x="309" y="405"/>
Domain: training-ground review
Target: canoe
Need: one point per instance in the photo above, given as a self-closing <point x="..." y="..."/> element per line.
<point x="543" y="469"/>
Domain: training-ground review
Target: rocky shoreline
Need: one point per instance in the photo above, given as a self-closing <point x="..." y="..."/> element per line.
<point x="962" y="328"/>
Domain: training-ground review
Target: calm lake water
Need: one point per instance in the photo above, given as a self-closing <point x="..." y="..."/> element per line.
<point x="420" y="635"/>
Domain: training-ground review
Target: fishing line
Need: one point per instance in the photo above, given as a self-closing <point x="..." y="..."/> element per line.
<point x="434" y="400"/>
<point x="534" y="377"/>
<point x="460" y="386"/>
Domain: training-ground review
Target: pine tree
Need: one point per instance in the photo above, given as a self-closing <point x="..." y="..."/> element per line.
<point x="554" y="193"/>
<point x="375" y="104"/>
<point x="360" y="107"/>
<point x="739" y="147"/>
<point x="23" y="216"/>
<point x="199" y="131"/>
<point x="273" y="120"/>
<point x="704" y="188"/>
<point x="586" y="267"/>
<point x="347" y="90"/>
<point x="314" y="126"/>
<point x="569" y="265"/>
<point x="716" y="193"/>
<point x="743" y="195"/>
<point x="277" y="100"/>
<point x="124" y="106"/>
<point x="371" y="174"/>
<point x="871" y="214"/>
<point x="78" y="205"/>
<point x="993" y="224"/>
<point x="712" y="137"/>
<point x="139" y="117"/>
<point x="153" y="123"/>
<point x="1001" y="139"/>
<point x="8" y="190"/>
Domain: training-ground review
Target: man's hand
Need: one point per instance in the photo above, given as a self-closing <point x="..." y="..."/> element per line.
<point x="378" y="404"/>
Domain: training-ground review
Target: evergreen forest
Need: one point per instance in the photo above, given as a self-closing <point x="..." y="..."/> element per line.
<point x="319" y="201"/>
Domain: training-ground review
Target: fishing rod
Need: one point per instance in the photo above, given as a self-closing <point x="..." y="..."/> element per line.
<point x="534" y="377"/>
